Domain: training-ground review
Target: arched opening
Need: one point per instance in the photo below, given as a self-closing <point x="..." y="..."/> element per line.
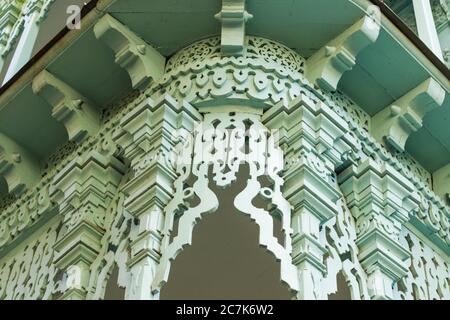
<point x="112" y="290"/>
<point x="225" y="260"/>
<point x="343" y="291"/>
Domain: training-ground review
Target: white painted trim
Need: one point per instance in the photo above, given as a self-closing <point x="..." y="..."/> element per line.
<point x="426" y="26"/>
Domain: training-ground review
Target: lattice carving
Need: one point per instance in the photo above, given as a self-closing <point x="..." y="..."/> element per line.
<point x="220" y="143"/>
<point x="336" y="136"/>
<point x="29" y="272"/>
<point x="429" y="272"/>
<point x="339" y="234"/>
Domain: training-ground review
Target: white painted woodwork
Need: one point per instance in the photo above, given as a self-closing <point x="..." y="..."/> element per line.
<point x="24" y="49"/>
<point x="426" y="26"/>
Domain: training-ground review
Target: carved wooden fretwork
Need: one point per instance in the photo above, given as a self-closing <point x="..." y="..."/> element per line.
<point x="9" y="26"/>
<point x="13" y="15"/>
<point x="29" y="271"/>
<point x="110" y="201"/>
<point x="428" y="274"/>
<point x="223" y="142"/>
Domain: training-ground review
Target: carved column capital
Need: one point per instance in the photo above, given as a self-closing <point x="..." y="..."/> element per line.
<point x="83" y="191"/>
<point x="306" y="133"/>
<point x="381" y="200"/>
<point x="148" y="135"/>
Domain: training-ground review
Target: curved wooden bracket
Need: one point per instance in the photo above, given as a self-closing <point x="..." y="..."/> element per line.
<point x="18" y="166"/>
<point x="326" y="67"/>
<point x="396" y="122"/>
<point x="233" y="18"/>
<point x="75" y="112"/>
<point x="142" y="62"/>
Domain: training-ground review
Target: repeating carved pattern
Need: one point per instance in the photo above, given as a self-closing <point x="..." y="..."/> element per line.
<point x="25" y="212"/>
<point x="257" y="48"/>
<point x="13" y="19"/>
<point x="198" y="51"/>
<point x="414" y="167"/>
<point x="11" y="25"/>
<point x="29" y="273"/>
<point x="274" y="52"/>
<point x="114" y="250"/>
<point x="355" y="111"/>
<point x="441" y="12"/>
<point x="220" y="142"/>
<point x="429" y="272"/>
<point x="213" y="78"/>
<point x="201" y="80"/>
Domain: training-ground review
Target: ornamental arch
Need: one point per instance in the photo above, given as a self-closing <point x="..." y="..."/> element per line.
<point x="331" y="191"/>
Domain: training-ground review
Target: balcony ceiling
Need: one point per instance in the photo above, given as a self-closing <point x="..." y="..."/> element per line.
<point x="385" y="70"/>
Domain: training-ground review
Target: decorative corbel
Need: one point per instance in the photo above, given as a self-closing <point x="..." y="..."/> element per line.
<point x="396" y="122"/>
<point x="381" y="200"/>
<point x="18" y="166"/>
<point x="78" y="115"/>
<point x="441" y="183"/>
<point x="233" y="18"/>
<point x="142" y="62"/>
<point x="326" y="67"/>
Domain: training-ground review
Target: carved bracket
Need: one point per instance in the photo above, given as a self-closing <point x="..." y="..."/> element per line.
<point x="233" y="18"/>
<point x="142" y="62"/>
<point x="326" y="67"/>
<point x="396" y="122"/>
<point x="19" y="167"/>
<point x="75" y="112"/>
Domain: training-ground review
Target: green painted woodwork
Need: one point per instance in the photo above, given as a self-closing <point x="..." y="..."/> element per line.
<point x="118" y="153"/>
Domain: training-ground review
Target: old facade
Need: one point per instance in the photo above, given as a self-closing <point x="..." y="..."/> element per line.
<point x="116" y="136"/>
